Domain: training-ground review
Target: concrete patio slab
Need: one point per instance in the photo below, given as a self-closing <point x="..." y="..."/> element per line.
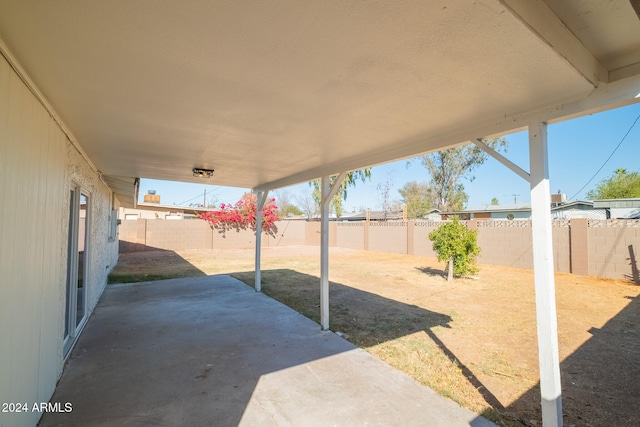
<point x="210" y="351"/>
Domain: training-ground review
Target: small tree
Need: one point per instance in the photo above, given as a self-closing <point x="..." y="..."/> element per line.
<point x="455" y="243"/>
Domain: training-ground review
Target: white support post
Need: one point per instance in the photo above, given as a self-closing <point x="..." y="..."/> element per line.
<point x="327" y="192"/>
<point x="261" y="198"/>
<point x="547" y="323"/>
<point x="324" y="256"/>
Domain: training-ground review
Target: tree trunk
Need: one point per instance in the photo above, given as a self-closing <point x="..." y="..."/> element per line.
<point x="450" y="275"/>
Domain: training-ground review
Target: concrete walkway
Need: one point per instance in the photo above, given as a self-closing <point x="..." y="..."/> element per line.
<point x="209" y="351"/>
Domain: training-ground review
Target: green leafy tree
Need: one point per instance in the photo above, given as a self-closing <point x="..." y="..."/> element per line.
<point x="448" y="167"/>
<point x="350" y="180"/>
<point x="495" y="201"/>
<point x="620" y="185"/>
<point x="418" y="199"/>
<point x="456" y="244"/>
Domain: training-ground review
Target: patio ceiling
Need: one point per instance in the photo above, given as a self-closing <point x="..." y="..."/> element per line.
<point x="278" y="92"/>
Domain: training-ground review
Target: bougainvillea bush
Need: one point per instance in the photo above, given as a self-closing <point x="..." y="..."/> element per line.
<point x="242" y="215"/>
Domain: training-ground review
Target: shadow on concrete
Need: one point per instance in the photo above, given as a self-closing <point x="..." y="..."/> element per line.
<point x="151" y="264"/>
<point x="351" y="308"/>
<point x="600" y="380"/>
<point x="169" y="355"/>
<point x="211" y="351"/>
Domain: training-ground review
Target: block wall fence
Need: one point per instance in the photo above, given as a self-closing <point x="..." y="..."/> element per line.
<point x="601" y="248"/>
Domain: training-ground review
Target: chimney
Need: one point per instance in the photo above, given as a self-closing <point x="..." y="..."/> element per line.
<point x="151" y="197"/>
<point x="558" y="199"/>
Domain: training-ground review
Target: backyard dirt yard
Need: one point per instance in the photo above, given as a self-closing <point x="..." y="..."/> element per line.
<point x="472" y="340"/>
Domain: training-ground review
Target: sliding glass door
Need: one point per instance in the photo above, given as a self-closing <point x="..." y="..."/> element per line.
<point x="77" y="262"/>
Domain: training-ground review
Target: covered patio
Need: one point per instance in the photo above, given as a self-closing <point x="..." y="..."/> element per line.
<point x="211" y="351"/>
<point x="264" y="95"/>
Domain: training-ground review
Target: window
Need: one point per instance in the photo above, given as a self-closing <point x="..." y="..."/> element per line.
<point x="113" y="225"/>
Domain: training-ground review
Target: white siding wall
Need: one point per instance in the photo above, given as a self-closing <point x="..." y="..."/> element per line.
<point x="37" y="168"/>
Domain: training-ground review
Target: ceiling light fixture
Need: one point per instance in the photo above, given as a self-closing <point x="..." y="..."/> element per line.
<point x="202" y="173"/>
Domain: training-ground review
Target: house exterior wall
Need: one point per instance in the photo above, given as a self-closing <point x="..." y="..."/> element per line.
<point x="625" y="212"/>
<point x="579" y="212"/>
<point x="161" y="213"/>
<point x="482" y="215"/>
<point x="157" y="212"/>
<point x="517" y="215"/>
<point x="38" y="166"/>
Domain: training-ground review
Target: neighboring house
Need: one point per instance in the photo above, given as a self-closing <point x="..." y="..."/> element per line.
<point x="578" y="209"/>
<point x="152" y="209"/>
<point x="571" y="210"/>
<point x="157" y="211"/>
<point x="620" y="208"/>
<point x="395" y="215"/>
<point x="490" y="212"/>
<point x="369" y="215"/>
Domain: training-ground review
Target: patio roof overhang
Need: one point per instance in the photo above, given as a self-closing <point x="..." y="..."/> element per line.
<point x="275" y="93"/>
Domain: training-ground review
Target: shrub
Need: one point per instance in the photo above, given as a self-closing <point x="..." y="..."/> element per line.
<point x="242" y="215"/>
<point x="455" y="243"/>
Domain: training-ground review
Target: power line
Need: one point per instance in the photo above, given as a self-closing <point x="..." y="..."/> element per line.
<point x="608" y="158"/>
<point x="193" y="198"/>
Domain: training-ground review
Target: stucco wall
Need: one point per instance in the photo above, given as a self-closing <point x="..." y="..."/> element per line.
<point x="510" y="243"/>
<point x="350" y="235"/>
<point x="388" y="237"/>
<point x="421" y="243"/>
<point x="102" y="253"/>
<point x="37" y="168"/>
<point x="587" y="247"/>
<point x="616" y="247"/>
<point x="289" y="233"/>
<point x="175" y="235"/>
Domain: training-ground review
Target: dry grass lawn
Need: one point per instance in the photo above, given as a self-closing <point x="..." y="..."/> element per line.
<point x="472" y="340"/>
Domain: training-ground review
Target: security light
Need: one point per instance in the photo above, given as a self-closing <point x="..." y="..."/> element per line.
<point x="203" y="173"/>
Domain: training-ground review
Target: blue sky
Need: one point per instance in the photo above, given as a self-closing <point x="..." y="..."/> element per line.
<point x="577" y="149"/>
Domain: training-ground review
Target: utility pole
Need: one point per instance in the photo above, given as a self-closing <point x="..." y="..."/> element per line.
<point x="515" y="199"/>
